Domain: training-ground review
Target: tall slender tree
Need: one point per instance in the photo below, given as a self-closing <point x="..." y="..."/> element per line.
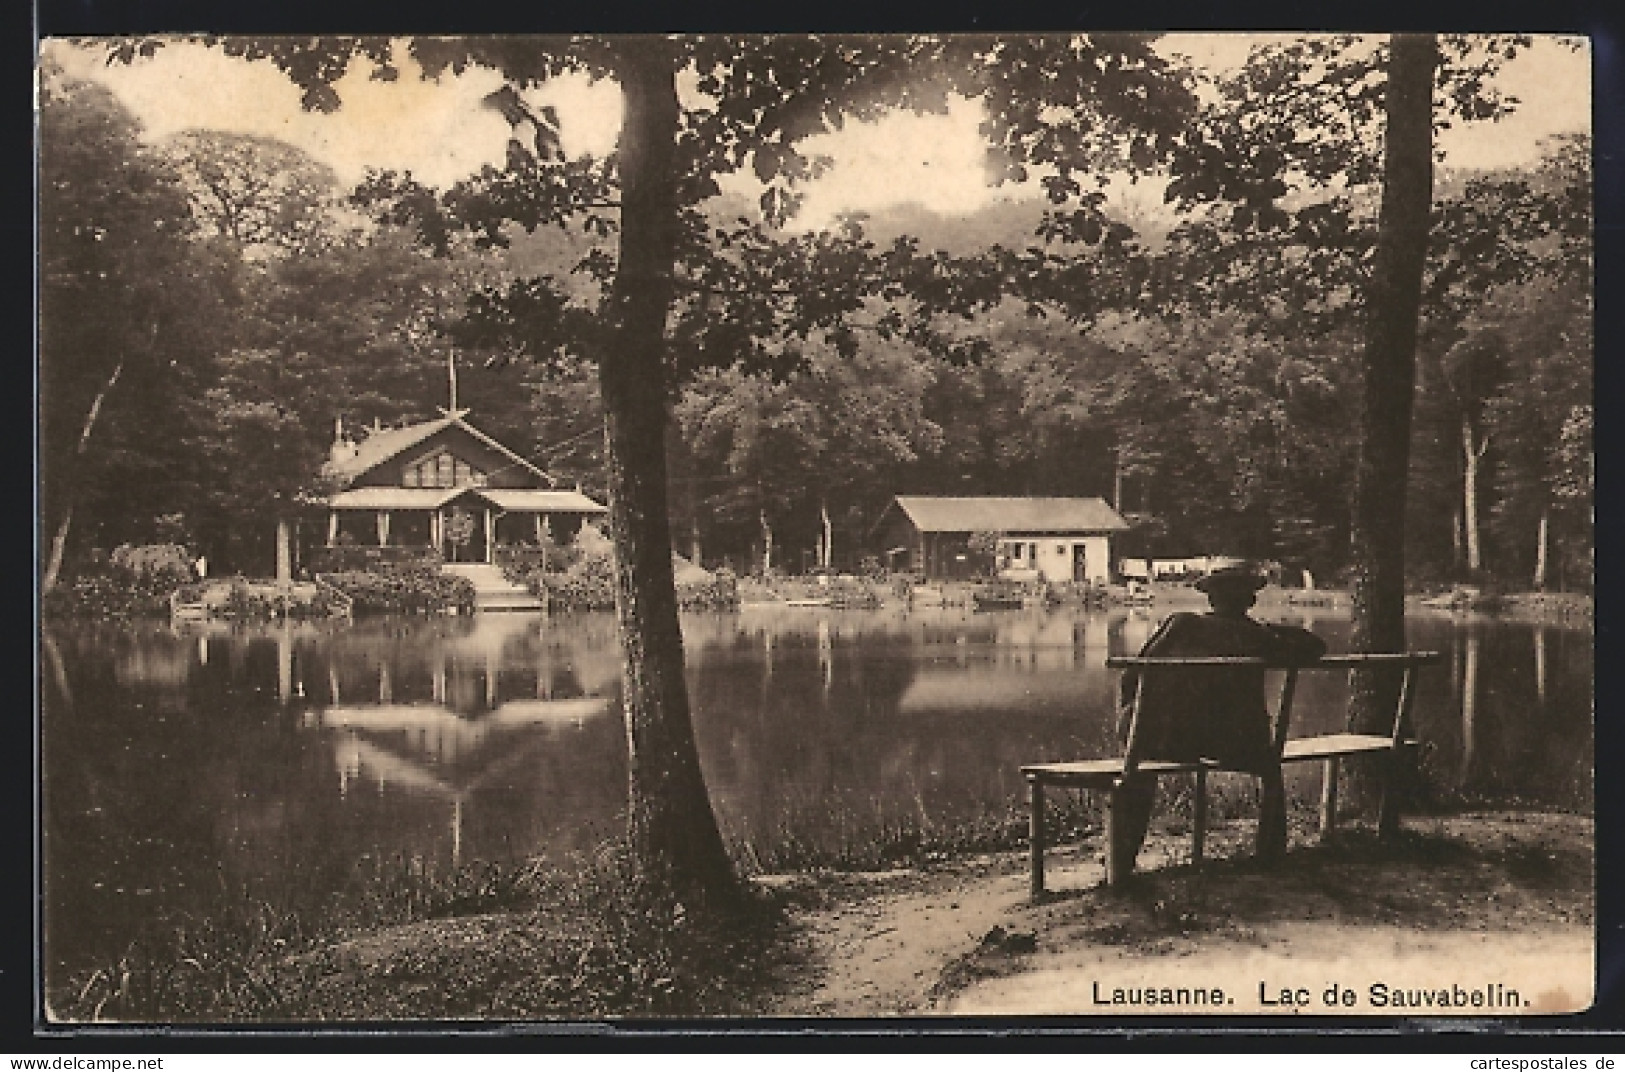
<point x="1393" y="303"/>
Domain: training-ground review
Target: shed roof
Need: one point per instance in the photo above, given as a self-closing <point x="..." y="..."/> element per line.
<point x="992" y="513"/>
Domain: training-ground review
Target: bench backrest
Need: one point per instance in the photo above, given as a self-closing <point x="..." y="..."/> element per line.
<point x="1406" y="662"/>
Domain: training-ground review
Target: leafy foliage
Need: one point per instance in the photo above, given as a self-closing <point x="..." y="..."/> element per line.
<point x="404" y="589"/>
<point x="262" y="195"/>
<point x="131" y="312"/>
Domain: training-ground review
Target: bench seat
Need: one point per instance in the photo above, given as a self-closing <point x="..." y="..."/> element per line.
<point x="1332" y="745"/>
<point x="1105" y="773"/>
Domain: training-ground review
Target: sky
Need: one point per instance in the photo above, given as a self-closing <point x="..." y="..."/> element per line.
<point x="437" y="130"/>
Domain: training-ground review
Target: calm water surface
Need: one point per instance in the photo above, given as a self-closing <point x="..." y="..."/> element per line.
<point x="180" y="762"/>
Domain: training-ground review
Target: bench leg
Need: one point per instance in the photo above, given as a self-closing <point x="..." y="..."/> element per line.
<point x="1199" y="818"/>
<point x="1035" y="836"/>
<point x="1128" y="807"/>
<point x="1328" y="798"/>
<point x="1115" y="807"/>
<point x="1392" y="773"/>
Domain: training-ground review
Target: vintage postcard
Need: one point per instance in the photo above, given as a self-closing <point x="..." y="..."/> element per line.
<point x="544" y="529"/>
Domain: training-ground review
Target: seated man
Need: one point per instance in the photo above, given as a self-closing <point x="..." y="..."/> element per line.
<point x="1216" y="713"/>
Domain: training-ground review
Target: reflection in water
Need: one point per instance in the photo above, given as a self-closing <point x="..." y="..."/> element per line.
<point x="1469" y="701"/>
<point x="1539" y="634"/>
<point x="177" y="764"/>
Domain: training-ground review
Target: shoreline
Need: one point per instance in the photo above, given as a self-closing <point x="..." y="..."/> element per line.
<point x="1502" y="889"/>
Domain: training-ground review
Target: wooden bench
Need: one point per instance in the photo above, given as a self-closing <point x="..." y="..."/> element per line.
<point x="1328" y="749"/>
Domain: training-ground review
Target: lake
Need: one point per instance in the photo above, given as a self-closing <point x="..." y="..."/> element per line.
<point x="181" y="762"/>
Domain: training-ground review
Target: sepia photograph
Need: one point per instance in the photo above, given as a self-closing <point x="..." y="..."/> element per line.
<point x="815" y="528"/>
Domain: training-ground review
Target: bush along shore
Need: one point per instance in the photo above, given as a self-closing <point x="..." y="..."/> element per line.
<point x="131" y="582"/>
<point x="581" y="576"/>
<point x="148" y="581"/>
<point x="404" y="589"/>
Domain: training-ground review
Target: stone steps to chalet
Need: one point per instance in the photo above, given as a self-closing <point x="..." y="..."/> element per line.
<point x="493" y="591"/>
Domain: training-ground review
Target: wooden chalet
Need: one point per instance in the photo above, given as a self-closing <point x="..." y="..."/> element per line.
<point x="427" y="484"/>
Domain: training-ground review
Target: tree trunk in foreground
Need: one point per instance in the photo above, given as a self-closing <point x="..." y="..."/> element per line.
<point x="674" y="835"/>
<point x="59" y="539"/>
<point x="1394" y="297"/>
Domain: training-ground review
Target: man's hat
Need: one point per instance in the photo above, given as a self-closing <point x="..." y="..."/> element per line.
<point x="1232" y="573"/>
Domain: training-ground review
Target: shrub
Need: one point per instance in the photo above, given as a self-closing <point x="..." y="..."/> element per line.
<point x="519" y="560"/>
<point x="587" y="585"/>
<point x="582" y="577"/>
<point x="110" y="595"/>
<point x="157" y="561"/>
<point x="721" y="592"/>
<point x="359" y="558"/>
<point x="404" y="590"/>
<point x="133" y="581"/>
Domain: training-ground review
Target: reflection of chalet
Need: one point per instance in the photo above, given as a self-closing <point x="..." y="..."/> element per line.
<point x="447" y="485"/>
<point x="430" y="751"/>
<point x="1054" y="539"/>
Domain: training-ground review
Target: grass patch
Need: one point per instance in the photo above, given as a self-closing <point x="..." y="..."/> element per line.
<point x="584" y="939"/>
<point x="823" y="836"/>
<point x="835" y="837"/>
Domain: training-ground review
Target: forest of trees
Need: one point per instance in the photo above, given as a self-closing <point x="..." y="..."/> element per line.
<point x="224" y="291"/>
<point x="1244" y="371"/>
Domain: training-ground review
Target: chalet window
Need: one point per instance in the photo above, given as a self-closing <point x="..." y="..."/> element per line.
<point x="442" y="471"/>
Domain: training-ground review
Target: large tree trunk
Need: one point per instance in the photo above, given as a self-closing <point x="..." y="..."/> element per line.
<point x="673" y="831"/>
<point x="1394" y="297"/>
<point x="59" y="539"/>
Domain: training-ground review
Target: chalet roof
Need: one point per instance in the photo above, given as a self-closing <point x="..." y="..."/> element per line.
<point x="1008" y="514"/>
<point x="394" y="498"/>
<point x="527" y="500"/>
<point x="515" y="500"/>
<point x="379" y="447"/>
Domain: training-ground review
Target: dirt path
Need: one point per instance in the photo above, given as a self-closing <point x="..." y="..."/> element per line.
<point x="880" y="943"/>
<point x="1498" y="904"/>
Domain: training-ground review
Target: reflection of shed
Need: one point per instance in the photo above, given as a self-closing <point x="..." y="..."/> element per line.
<point x="985" y="691"/>
<point x="1056" y="539"/>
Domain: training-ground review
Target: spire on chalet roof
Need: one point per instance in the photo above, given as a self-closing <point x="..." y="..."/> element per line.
<point x="344" y="448"/>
